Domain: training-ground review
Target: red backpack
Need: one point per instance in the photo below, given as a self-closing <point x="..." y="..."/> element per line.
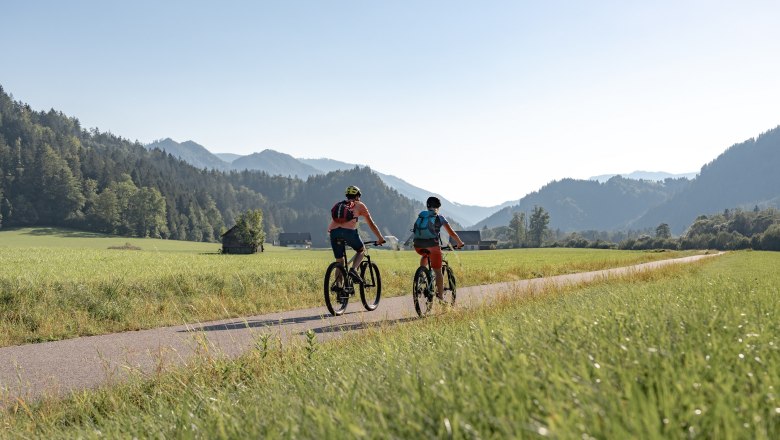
<point x="342" y="211"/>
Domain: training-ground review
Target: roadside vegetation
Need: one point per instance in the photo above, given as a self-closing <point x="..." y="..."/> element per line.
<point x="682" y="352"/>
<point x="733" y="229"/>
<point x="57" y="284"/>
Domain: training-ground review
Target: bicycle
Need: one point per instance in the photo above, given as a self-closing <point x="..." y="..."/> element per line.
<point x="424" y="285"/>
<point x="339" y="286"/>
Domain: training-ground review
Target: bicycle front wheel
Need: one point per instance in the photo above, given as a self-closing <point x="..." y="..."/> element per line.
<point x="336" y="289"/>
<point x="450" y="285"/>
<point x="371" y="289"/>
<point x="421" y="292"/>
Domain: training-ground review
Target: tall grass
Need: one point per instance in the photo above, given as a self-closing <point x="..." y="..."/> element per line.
<point x="683" y="352"/>
<point x="77" y="286"/>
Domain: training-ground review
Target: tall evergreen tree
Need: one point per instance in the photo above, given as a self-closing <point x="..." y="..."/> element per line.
<point x="538" y="226"/>
<point x="663" y="231"/>
<point x="518" y="230"/>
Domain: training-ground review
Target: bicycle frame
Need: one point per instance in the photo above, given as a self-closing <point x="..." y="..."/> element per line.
<point x="339" y="285"/>
<point x="428" y="290"/>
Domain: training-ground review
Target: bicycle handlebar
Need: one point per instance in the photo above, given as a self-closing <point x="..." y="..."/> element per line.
<point x="372" y="242"/>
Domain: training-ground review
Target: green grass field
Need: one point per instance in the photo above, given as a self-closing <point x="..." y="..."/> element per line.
<point x="57" y="284"/>
<point x="682" y="352"/>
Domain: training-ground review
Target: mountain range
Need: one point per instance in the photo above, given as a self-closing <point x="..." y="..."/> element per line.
<point x="55" y="173"/>
<point x="657" y="176"/>
<point x="277" y="163"/>
<point x="742" y="177"/>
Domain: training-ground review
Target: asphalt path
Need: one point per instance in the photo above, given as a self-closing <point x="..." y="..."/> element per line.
<point x="28" y="372"/>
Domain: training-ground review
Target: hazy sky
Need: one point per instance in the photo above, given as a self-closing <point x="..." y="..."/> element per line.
<point x="481" y="101"/>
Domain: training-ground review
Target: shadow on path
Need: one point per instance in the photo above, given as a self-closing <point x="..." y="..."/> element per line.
<point x="245" y="323"/>
<point x="358" y="325"/>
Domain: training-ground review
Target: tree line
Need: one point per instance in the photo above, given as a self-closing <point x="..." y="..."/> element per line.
<point x="734" y="229"/>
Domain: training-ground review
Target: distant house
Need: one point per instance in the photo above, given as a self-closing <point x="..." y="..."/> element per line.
<point x="232" y="244"/>
<point x="471" y="239"/>
<point x="486" y="245"/>
<point x="301" y="240"/>
<point x="392" y="242"/>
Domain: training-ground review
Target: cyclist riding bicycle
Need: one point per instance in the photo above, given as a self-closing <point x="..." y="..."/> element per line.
<point x="427" y="239"/>
<point x="343" y="226"/>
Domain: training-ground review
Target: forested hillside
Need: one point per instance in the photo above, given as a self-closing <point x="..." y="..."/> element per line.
<point x="745" y="176"/>
<point x="53" y="172"/>
<point x="276" y="163"/>
<point x="579" y="205"/>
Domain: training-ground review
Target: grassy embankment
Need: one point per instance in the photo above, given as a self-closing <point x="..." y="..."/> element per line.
<point x="56" y="284"/>
<point x="683" y="352"/>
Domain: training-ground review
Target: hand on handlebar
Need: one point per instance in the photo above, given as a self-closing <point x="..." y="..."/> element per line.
<point x="453" y="246"/>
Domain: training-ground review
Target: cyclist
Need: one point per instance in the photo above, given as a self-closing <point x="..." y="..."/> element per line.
<point x="430" y="241"/>
<point x="345" y="228"/>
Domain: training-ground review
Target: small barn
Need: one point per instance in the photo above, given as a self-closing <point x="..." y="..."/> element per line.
<point x="300" y="240"/>
<point x="487" y="245"/>
<point x="232" y="244"/>
<point x="471" y="239"/>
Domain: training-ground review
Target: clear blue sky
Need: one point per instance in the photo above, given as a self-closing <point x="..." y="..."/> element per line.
<point x="482" y="102"/>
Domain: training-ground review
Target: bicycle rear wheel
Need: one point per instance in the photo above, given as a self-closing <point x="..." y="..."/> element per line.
<point x="450" y="285"/>
<point x="337" y="289"/>
<point x="371" y="289"/>
<point x="421" y="292"/>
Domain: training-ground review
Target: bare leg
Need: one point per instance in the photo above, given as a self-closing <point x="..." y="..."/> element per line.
<point x="439" y="283"/>
<point x="343" y="262"/>
<point x="358" y="258"/>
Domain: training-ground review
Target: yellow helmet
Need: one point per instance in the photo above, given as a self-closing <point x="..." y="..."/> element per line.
<point x="352" y="190"/>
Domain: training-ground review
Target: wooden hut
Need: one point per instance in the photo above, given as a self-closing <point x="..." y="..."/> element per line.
<point x="301" y="240"/>
<point x="232" y="244"/>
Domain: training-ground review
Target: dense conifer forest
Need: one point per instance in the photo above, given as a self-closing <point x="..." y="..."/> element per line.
<point x="54" y="172"/>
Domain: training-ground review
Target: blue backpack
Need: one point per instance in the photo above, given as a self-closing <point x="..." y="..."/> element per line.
<point x="427" y="226"/>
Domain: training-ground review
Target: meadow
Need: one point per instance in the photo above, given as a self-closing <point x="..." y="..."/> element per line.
<point x="57" y="284"/>
<point x="686" y="351"/>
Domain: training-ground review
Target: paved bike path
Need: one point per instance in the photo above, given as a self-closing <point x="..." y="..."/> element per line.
<point x="55" y="368"/>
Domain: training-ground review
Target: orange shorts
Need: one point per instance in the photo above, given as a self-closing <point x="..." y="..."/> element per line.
<point x="435" y="252"/>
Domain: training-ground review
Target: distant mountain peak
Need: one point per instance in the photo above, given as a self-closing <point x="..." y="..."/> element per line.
<point x="191" y="152"/>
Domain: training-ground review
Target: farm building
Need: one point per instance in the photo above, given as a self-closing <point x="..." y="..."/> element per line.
<point x="486" y="245"/>
<point x="471" y="239"/>
<point x="300" y="240"/>
<point x="232" y="244"/>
